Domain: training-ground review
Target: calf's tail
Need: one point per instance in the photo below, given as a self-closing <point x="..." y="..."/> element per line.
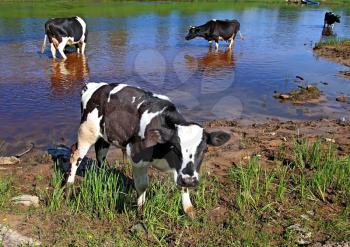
<point x="241" y="35"/>
<point x="44" y="44"/>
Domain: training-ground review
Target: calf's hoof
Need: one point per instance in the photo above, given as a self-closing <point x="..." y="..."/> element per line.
<point x="190" y="213"/>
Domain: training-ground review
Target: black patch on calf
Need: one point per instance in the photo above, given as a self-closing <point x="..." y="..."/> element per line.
<point x="189" y="169"/>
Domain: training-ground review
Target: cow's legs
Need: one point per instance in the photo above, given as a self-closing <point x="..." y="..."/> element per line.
<point x="231" y="43"/>
<point x="87" y="136"/>
<point x="216" y="44"/>
<point x="77" y="46"/>
<point x="83" y="45"/>
<point x="61" y="47"/>
<point x="53" y="50"/>
<point x="210" y="43"/>
<point x="101" y="149"/>
<point x="241" y="35"/>
<point x="186" y="202"/>
<point x="141" y="181"/>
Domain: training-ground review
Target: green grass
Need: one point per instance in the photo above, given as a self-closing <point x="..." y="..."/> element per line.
<point x="315" y="172"/>
<point x="253" y="206"/>
<point x="88" y="8"/>
<point x="5" y="191"/>
<point x="338" y="43"/>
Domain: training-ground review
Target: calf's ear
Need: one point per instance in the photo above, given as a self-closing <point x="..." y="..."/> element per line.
<point x="217" y="138"/>
<point x="155" y="136"/>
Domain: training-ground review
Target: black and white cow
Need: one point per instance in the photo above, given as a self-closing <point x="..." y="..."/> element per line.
<point x="330" y="18"/>
<point x="65" y="31"/>
<point x="215" y="30"/>
<point x="150" y="128"/>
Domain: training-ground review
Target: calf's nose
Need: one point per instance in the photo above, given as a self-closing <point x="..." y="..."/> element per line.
<point x="187" y="181"/>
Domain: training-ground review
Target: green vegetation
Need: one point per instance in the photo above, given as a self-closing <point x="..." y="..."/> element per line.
<point x="5" y="188"/>
<point x="254" y="206"/>
<point x="340" y="44"/>
<point x="88" y="8"/>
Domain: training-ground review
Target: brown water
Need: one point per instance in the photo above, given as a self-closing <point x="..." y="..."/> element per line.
<point x="40" y="97"/>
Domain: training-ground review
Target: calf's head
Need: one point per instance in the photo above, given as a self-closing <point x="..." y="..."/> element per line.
<point x="186" y="146"/>
<point x="192" y="33"/>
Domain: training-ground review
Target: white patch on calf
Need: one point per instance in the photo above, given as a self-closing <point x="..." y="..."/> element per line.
<point x="133" y="99"/>
<point x="141" y="199"/>
<point x="160" y="96"/>
<point x="116" y="90"/>
<point x="146" y="118"/>
<point x="91" y="88"/>
<point x="83" y="25"/>
<point x="190" y="138"/>
<point x="139" y="105"/>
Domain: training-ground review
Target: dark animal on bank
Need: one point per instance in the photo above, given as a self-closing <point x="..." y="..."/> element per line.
<point x="65" y="31"/>
<point x="215" y="30"/>
<point x="151" y="130"/>
<point x="330" y="18"/>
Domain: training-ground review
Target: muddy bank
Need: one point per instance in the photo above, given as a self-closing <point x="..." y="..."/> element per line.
<point x="249" y="138"/>
<point x="265" y="139"/>
<point x="337" y="51"/>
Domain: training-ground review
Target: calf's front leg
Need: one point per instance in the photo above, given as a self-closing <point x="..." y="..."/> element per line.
<point x="186" y="202"/>
<point x="141" y="181"/>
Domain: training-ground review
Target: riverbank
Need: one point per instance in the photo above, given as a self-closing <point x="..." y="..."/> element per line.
<point x="274" y="183"/>
<point x="337" y="50"/>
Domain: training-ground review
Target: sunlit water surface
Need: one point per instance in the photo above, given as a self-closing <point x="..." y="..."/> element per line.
<point x="40" y="97"/>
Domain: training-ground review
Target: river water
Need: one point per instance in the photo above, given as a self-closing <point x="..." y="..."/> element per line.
<point x="145" y="46"/>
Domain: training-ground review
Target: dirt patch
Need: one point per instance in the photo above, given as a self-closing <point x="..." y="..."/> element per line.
<point x="338" y="52"/>
<point x="264" y="139"/>
<point x="303" y="95"/>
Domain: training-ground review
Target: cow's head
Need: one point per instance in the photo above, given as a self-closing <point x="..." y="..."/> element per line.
<point x="186" y="145"/>
<point x="337" y="18"/>
<point x="192" y="33"/>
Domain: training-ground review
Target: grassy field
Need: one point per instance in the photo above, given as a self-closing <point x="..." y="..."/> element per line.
<point x="44" y="9"/>
<point x="299" y="200"/>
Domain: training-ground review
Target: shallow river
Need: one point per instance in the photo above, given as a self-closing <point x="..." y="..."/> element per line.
<point x="144" y="45"/>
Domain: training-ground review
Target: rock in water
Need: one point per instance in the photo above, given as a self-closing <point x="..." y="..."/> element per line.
<point x="342" y="99"/>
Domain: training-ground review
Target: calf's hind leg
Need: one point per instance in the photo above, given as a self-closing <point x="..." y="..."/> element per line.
<point x="87" y="136"/>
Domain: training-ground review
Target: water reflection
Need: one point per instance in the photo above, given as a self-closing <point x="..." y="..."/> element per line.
<point x="212" y="60"/>
<point x="67" y="76"/>
<point x="328" y="32"/>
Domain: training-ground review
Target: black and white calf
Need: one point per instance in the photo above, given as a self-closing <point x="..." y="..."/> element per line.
<point x="330" y="18"/>
<point x="65" y="31"/>
<point x="215" y="30"/>
<point x="150" y="128"/>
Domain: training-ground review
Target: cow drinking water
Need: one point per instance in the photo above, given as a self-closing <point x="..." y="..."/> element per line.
<point x="215" y="30"/>
<point x="65" y="31"/>
<point x="151" y="130"/>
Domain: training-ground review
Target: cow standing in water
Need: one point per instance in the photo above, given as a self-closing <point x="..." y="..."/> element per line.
<point x="65" y="31"/>
<point x="329" y="19"/>
<point x="215" y="30"/>
<point x="151" y="130"/>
